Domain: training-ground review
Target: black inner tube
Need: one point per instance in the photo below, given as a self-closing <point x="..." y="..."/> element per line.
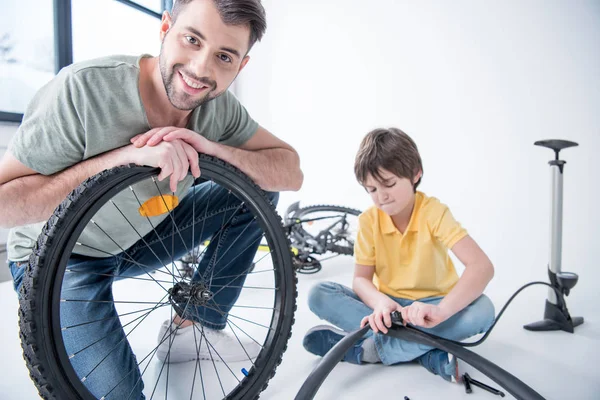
<point x="511" y="383"/>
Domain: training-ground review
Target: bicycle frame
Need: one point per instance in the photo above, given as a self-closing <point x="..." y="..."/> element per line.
<point x="310" y="244"/>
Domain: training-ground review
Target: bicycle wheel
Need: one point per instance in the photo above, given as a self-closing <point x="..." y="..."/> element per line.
<point x="322" y="228"/>
<point x="59" y="318"/>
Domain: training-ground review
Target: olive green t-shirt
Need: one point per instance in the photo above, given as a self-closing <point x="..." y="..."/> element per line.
<point x="94" y="107"/>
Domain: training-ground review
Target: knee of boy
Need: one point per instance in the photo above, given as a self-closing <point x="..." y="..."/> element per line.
<point x="487" y="312"/>
<point x="318" y="295"/>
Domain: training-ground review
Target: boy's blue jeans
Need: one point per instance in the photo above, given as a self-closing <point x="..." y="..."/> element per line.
<point x="341" y="307"/>
<point x="230" y="253"/>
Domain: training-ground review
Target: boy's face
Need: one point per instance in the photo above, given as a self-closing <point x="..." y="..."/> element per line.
<point x="200" y="55"/>
<point x="392" y="194"/>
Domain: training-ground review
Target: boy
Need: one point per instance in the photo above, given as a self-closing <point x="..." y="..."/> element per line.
<point x="402" y="263"/>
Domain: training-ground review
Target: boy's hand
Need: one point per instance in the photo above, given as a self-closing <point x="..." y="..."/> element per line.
<point x="425" y="315"/>
<point x="381" y="320"/>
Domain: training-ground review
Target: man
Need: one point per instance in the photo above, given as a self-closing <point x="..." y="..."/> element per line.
<point x="155" y="111"/>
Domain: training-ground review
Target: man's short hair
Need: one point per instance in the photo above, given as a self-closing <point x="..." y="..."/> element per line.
<point x="389" y="149"/>
<point x="235" y="12"/>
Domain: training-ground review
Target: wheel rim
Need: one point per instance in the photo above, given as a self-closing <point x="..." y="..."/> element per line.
<point x="209" y="379"/>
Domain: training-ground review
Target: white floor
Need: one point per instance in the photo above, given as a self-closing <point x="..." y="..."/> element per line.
<point x="558" y="365"/>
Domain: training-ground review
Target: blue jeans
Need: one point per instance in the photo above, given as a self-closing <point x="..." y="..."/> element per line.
<point x="234" y="238"/>
<point x="341" y="307"/>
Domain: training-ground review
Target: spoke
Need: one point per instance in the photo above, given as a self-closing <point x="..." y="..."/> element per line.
<point x="154" y="229"/>
<point x="193" y="238"/>
<point x="131" y="260"/>
<point x="211" y="357"/>
<point x="226" y="286"/>
<point x="170" y="214"/>
<point x="108" y="334"/>
<point x="240" y="342"/>
<point x="235" y="210"/>
<point x="123" y="251"/>
<point x="144" y="241"/>
<point x="166" y="336"/>
<point x="111" y="301"/>
<point x="251" y="322"/>
<point x="117" y="345"/>
<point x="254" y="307"/>
<point x="243" y="273"/>
<point x="202" y="229"/>
<point x="236" y="336"/>
<point x="171" y="339"/>
<point x="238" y="254"/>
<point x="109" y="318"/>
<point x="212" y="271"/>
<point x="237" y="276"/>
<point x="217" y="353"/>
<point x="235" y="258"/>
<point x="198" y="367"/>
<point x="244" y="287"/>
<point x="235" y="240"/>
<point x="116" y="276"/>
<point x="243" y="319"/>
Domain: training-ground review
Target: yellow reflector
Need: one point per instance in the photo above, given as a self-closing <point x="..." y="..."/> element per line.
<point x="158" y="205"/>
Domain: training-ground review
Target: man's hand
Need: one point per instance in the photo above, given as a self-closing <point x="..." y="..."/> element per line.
<point x="425" y="315"/>
<point x="170" y="133"/>
<point x="174" y="159"/>
<point x="381" y="319"/>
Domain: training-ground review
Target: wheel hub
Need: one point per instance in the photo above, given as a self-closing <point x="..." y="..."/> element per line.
<point x="185" y="294"/>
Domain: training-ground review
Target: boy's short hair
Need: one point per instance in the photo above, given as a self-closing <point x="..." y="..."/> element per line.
<point x="389" y="149"/>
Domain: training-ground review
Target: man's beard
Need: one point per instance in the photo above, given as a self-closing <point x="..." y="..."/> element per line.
<point x="182" y="100"/>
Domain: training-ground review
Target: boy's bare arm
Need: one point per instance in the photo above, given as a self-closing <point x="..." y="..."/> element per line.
<point x="363" y="286"/>
<point x="478" y="273"/>
<point x="382" y="305"/>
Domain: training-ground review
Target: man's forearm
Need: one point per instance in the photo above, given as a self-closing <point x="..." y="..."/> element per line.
<point x="274" y="170"/>
<point x="33" y="198"/>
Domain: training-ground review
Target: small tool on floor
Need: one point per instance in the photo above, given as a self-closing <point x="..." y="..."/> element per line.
<point x="467" y="384"/>
<point x="482" y="385"/>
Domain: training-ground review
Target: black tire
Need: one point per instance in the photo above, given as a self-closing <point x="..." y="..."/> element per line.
<point x="304" y="213"/>
<point x="40" y="330"/>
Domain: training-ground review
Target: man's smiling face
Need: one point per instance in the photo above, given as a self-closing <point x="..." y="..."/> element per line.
<point x="200" y="55"/>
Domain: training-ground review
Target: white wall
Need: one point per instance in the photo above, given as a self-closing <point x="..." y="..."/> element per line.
<point x="475" y="83"/>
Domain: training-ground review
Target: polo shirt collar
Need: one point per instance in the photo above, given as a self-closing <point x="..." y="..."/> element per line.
<point x="387" y="225"/>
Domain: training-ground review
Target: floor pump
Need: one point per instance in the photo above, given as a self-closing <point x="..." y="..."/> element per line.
<point x="556" y="314"/>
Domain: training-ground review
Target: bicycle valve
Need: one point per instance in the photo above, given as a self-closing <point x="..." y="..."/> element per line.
<point x="397" y="317"/>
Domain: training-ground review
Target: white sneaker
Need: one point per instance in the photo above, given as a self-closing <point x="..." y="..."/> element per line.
<point x="181" y="344"/>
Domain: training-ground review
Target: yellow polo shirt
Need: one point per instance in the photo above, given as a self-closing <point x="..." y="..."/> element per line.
<point x="416" y="264"/>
